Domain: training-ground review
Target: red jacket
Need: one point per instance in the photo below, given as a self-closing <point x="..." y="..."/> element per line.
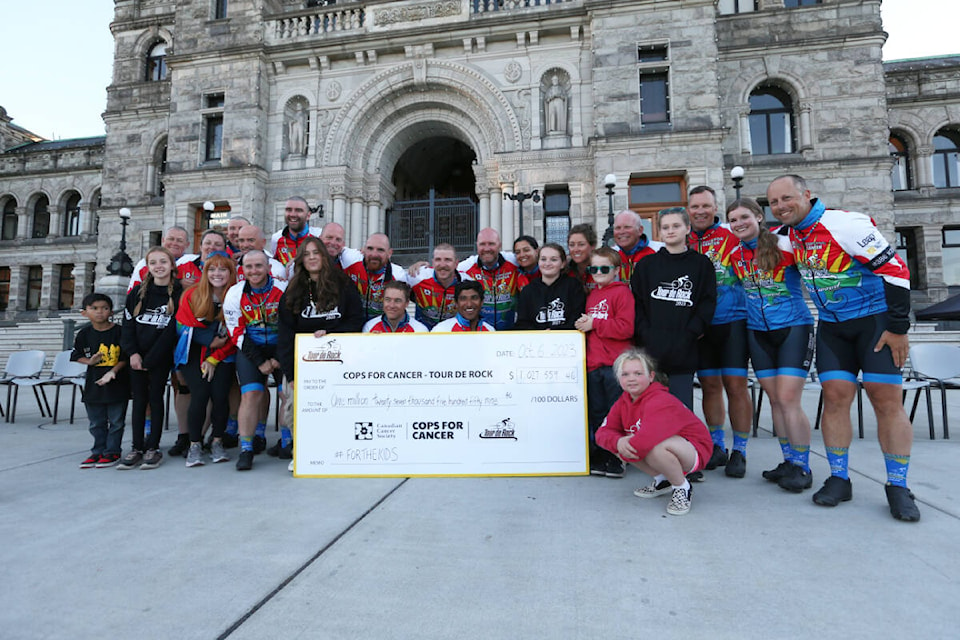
<point x="652" y="418"/>
<point x="613" y="312"/>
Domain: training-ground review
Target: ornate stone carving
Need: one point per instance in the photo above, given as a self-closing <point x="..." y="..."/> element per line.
<point x="334" y="90"/>
<point x="417" y="12"/>
<point x="512" y="71"/>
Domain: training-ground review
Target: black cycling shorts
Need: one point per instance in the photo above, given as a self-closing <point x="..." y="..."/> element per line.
<point x="782" y="352"/>
<point x="845" y="349"/>
<point x="723" y="350"/>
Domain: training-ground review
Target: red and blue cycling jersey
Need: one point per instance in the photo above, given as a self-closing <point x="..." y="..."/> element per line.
<point x="434" y="302"/>
<point x="849" y="268"/>
<point x="629" y="259"/>
<point x="501" y="289"/>
<point x="284" y="246"/>
<point x="253" y="314"/>
<point x="718" y="243"/>
<point x="774" y="298"/>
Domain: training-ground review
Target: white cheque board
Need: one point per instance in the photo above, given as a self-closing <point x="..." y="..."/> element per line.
<point x="423" y="404"/>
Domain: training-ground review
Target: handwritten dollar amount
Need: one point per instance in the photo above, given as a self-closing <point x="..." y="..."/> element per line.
<point x="542" y="375"/>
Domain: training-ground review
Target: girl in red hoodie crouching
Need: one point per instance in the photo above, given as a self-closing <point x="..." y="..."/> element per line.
<point x="651" y="429"/>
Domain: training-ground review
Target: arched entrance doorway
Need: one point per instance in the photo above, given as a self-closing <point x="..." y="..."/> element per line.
<point x="435" y="197"/>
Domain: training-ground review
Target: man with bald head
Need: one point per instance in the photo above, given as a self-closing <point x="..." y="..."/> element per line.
<point x="499" y="277"/>
<point x="632" y="244"/>
<point x="370" y="270"/>
<point x="233" y="228"/>
<point x="333" y="238"/>
<point x="175" y="240"/>
<point x="251" y="238"/>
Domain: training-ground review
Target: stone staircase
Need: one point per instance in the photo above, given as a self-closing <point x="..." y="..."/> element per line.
<point x="45" y="334"/>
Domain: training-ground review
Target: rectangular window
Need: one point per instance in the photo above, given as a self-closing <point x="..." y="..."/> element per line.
<point x="654" y="78"/>
<point x="4" y="288"/>
<point x="219" y="9"/>
<point x="726" y="7"/>
<point x="213" y="148"/>
<point x="907" y="250"/>
<point x="951" y="255"/>
<point x="556" y="214"/>
<point x="789" y="4"/>
<point x="648" y="195"/>
<point x="66" y="287"/>
<point x="34" y="287"/>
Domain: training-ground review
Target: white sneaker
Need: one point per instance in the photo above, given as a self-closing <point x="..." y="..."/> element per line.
<point x="290" y="466"/>
<point x="654" y="489"/>
<point x="680" y="502"/>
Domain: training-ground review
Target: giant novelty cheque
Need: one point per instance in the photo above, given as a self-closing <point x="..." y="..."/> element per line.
<point x="468" y="404"/>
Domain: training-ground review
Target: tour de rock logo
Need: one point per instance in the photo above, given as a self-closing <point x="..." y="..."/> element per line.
<point x="503" y="430"/>
<point x="328" y="351"/>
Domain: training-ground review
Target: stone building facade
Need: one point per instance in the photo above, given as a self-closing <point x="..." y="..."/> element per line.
<point x="422" y="117"/>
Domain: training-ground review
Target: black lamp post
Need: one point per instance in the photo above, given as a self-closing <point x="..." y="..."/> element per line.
<point x="610" y="182"/>
<point x="736" y="174"/>
<point x="317" y="210"/>
<point x="520" y="197"/>
<point x="120" y="263"/>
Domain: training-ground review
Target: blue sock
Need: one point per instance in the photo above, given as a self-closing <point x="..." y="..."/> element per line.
<point x="839" y="458"/>
<point x="232" y="426"/>
<point x="896" y="469"/>
<point x="147" y="427"/>
<point x="801" y="456"/>
<point x="786" y="449"/>
<point x="740" y="441"/>
<point x="716" y="433"/>
<point x="286" y="438"/>
<point x="246" y="443"/>
<point x="262" y="429"/>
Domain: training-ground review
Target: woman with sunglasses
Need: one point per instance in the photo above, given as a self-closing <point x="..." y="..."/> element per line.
<point x="608" y="323"/>
<point x="554" y="301"/>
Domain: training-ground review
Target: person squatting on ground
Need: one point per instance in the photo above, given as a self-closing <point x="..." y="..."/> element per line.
<point x="608" y="322"/>
<point x="862" y="290"/>
<point x="106" y="387"/>
<point x="251" y="311"/>
<point x="395" y="319"/>
<point x="779" y="334"/>
<point x="554" y="301"/>
<point x="319" y="300"/>
<point x="722" y="367"/>
<point x="652" y="430"/>
<point x="205" y="355"/>
<point x="148" y="337"/>
<point x="469" y="299"/>
<point x="675" y="293"/>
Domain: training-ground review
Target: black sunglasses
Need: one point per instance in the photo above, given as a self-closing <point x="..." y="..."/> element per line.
<point x="604" y="269"/>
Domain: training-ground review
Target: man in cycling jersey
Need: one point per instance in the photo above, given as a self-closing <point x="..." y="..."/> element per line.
<point x="862" y="291"/>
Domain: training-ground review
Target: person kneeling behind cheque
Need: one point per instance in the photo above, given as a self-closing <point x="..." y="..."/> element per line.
<point x="652" y="430"/>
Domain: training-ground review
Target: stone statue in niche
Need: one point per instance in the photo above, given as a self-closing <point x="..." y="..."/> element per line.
<point x="296" y="133"/>
<point x="555" y="107"/>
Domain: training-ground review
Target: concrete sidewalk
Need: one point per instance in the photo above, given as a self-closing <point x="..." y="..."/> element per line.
<point x="209" y="552"/>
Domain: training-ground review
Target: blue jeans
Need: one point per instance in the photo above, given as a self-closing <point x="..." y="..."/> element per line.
<point x="106" y="426"/>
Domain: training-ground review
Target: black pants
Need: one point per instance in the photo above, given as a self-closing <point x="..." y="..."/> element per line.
<point x="148" y="389"/>
<point x="201" y="392"/>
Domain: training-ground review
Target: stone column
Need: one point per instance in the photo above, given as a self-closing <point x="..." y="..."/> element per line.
<point x="746" y="145"/>
<point x="373" y="218"/>
<point x="496" y="208"/>
<point x="87" y="216"/>
<point x="508" y="220"/>
<point x="806" y="136"/>
<point x="50" y="288"/>
<point x="930" y="243"/>
<point x="340" y="211"/>
<point x="483" y="217"/>
<point x="18" y="290"/>
<point x="356" y="223"/>
<point x="56" y="222"/>
<point x="23" y="223"/>
<point x="924" y="167"/>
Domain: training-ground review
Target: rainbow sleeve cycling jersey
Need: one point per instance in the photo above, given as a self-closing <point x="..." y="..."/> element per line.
<point x="253" y="314"/>
<point x="717" y="243"/>
<point x="500" y="291"/>
<point x="849" y="268"/>
<point x="774" y="299"/>
<point x="433" y="301"/>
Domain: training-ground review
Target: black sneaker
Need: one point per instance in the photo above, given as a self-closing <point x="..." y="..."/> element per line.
<point x="736" y="465"/>
<point x="286" y="453"/>
<point x="902" y="505"/>
<point x="717" y="459"/>
<point x="598" y="466"/>
<point x="259" y="444"/>
<point x="695" y="476"/>
<point x="245" y="461"/>
<point x="774" y="475"/>
<point x="795" y="479"/>
<point x="614" y="468"/>
<point x="180" y="447"/>
<point x="834" y="491"/>
<point x="274" y="451"/>
<point x="230" y="440"/>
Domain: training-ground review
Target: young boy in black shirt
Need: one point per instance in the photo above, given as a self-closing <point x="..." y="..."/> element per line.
<point x="107" y="386"/>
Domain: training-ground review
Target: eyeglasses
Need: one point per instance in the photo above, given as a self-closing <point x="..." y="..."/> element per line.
<point x="604" y="269"/>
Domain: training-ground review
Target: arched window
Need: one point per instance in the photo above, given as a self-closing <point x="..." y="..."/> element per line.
<point x="41" y="218"/>
<point x="9" y="219"/>
<point x="900" y="172"/>
<point x="771" y="121"/>
<point x="946" y="159"/>
<point x="157" y="62"/>
<point x="71" y="215"/>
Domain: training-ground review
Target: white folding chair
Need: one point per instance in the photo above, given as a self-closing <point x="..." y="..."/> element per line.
<point x="23" y="370"/>
<point x="938" y="364"/>
<point x="66" y="372"/>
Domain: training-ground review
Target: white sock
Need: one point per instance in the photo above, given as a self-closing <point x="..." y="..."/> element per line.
<point x="657" y="479"/>
<point x="685" y="486"/>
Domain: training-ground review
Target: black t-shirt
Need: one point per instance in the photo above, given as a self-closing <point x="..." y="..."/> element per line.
<point x="89" y="342"/>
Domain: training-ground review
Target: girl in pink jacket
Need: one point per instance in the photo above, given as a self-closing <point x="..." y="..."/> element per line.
<point x="649" y="428"/>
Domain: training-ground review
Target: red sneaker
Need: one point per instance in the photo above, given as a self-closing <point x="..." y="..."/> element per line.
<point x="90" y="462"/>
<point x="108" y="460"/>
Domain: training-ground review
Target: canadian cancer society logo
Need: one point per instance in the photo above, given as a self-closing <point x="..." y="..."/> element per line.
<point x="503" y="430"/>
<point x="329" y="351"/>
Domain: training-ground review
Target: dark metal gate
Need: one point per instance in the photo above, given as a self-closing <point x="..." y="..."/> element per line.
<point x="420" y="225"/>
